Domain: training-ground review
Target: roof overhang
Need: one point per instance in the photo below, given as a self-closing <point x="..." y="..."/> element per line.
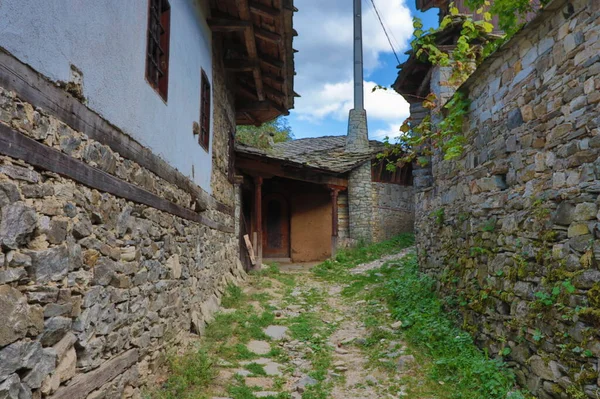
<point x="257" y="40"/>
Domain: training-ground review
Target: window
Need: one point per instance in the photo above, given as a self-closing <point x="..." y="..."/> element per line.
<point x="157" y="57"/>
<point x="204" y="136"/>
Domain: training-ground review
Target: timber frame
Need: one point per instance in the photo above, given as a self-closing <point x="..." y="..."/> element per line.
<point x="257" y="36"/>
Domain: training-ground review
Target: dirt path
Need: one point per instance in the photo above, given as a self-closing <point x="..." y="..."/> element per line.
<point x="295" y="336"/>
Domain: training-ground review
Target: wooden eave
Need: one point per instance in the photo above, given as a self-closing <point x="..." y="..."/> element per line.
<point x="255" y="165"/>
<point x="257" y="40"/>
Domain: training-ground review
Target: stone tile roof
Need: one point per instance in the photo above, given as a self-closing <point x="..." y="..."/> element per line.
<point x="326" y="153"/>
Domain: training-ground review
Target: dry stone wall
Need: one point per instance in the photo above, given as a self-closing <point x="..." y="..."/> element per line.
<point x="393" y="210"/>
<point x="511" y="230"/>
<point x="95" y="289"/>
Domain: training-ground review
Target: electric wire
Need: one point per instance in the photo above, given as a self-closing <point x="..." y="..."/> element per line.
<point x="385" y="30"/>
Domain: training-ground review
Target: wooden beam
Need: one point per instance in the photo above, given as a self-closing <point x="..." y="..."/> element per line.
<point x="334" y="220"/>
<point x="264" y="11"/>
<point x="31" y="87"/>
<point x="228" y="25"/>
<point x="258" y="181"/>
<point x="251" y="48"/>
<point x="272" y="62"/>
<point x="17" y="145"/>
<point x="254" y="166"/>
<point x="241" y="65"/>
<point x="267" y="36"/>
<point x="273" y="78"/>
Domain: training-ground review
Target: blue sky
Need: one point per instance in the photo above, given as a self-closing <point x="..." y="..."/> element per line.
<point x="324" y="65"/>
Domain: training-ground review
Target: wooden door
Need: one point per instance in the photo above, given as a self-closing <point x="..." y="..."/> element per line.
<point x="276" y="227"/>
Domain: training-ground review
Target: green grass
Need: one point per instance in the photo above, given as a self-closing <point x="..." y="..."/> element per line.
<point x="189" y="377"/>
<point x="465" y="371"/>
<point x="256" y="369"/>
<point x="338" y="269"/>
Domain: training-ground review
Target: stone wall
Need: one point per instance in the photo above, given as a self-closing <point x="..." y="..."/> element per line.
<point x="360" y="203"/>
<point x="393" y="210"/>
<point x="511" y="229"/>
<point x="94" y="289"/>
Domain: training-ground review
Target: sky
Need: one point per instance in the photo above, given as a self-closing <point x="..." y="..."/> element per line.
<point x="324" y="65"/>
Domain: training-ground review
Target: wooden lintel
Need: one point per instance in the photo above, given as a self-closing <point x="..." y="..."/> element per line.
<point x="241" y="65"/>
<point x="254" y="106"/>
<point x="228" y="25"/>
<point x="17" y="145"/>
<point x="264" y="11"/>
<point x="267" y="36"/>
<point x="259" y="168"/>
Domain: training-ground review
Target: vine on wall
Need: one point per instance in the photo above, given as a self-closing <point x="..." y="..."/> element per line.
<point x="475" y="42"/>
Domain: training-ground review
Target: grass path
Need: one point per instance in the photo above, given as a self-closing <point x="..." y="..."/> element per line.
<point x="329" y="332"/>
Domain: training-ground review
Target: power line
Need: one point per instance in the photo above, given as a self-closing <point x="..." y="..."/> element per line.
<point x="385" y="31"/>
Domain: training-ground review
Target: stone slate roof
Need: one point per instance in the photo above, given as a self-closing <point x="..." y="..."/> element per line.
<point x="326" y="153"/>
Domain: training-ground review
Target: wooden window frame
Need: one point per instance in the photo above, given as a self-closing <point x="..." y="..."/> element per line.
<point x="158" y="37"/>
<point x="205" y="114"/>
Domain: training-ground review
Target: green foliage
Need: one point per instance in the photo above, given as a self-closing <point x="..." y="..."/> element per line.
<point x="511" y="13"/>
<point x="458" y="362"/>
<point x="258" y="136"/>
<point x="190" y="375"/>
<point x="439" y="215"/>
<point x="473" y="44"/>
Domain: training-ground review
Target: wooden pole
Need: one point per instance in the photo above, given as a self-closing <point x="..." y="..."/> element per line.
<point x="258" y="219"/>
<point x="334" y="221"/>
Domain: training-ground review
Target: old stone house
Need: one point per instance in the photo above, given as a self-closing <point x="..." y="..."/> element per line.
<point x="308" y="197"/>
<point x="119" y="207"/>
<point x="512" y="226"/>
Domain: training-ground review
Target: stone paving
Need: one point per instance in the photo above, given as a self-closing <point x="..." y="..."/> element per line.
<point x="296" y="371"/>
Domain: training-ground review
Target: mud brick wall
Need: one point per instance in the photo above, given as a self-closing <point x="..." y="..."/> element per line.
<point x="95" y="289"/>
<point x="511" y="229"/>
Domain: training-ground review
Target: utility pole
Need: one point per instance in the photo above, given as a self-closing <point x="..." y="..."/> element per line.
<point x="357" y="140"/>
<point x="359" y="103"/>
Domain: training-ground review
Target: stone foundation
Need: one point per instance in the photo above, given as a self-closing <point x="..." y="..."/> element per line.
<point x="511" y="229"/>
<point x="360" y="203"/>
<point x="95" y="289"/>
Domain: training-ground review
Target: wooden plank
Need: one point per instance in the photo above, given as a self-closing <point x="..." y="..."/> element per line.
<point x="228" y="25"/>
<point x="258" y="181"/>
<point x="31" y="87"/>
<point x="264" y="11"/>
<point x="81" y="385"/>
<point x="251" y="48"/>
<point x="241" y="65"/>
<point x="267" y="36"/>
<point x="250" y="249"/>
<point x="19" y="146"/>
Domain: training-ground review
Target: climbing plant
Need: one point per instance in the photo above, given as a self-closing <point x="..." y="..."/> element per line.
<point x="475" y="42"/>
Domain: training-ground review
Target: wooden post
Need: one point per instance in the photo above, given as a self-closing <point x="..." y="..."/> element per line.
<point x="258" y="219"/>
<point x="334" y="220"/>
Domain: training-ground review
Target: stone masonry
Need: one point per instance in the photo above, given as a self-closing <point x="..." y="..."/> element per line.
<point x="94" y="290"/>
<point x="358" y="137"/>
<point x="512" y="228"/>
<point x="393" y="210"/>
<point x="360" y="203"/>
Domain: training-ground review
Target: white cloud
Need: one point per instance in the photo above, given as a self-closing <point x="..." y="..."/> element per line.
<point x="336" y="99"/>
<point x="392" y="131"/>
<point x="324" y="63"/>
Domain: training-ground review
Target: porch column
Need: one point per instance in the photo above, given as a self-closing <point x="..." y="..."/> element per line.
<point x="258" y="180"/>
<point x="334" y="220"/>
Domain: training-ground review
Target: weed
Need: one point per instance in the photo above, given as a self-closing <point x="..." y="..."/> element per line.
<point x="190" y="375"/>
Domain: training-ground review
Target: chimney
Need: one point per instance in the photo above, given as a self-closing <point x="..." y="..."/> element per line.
<point x="357" y="140"/>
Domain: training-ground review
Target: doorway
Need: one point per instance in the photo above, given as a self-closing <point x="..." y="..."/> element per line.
<point x="276" y="226"/>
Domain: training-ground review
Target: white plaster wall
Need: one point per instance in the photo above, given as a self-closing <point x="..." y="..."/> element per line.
<point x="106" y="40"/>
